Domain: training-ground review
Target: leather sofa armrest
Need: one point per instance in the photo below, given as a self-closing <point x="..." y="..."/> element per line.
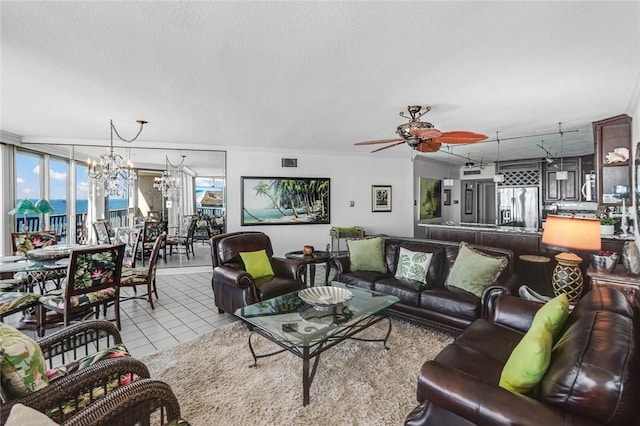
<point x="340" y="263"/>
<point x="486" y="404"/>
<point x="233" y="277"/>
<point x="289" y="268"/>
<point x="499" y="307"/>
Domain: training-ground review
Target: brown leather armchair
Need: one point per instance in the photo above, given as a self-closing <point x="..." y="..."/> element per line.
<point x="233" y="287"/>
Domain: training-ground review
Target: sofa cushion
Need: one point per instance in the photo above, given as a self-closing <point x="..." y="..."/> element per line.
<point x="457" y="303"/>
<point x="363" y="279"/>
<point x="474" y="270"/>
<point x="22" y="364"/>
<point x="367" y="254"/>
<point x="475" y="336"/>
<point x="408" y="291"/>
<point x="594" y="369"/>
<point x="529" y="360"/>
<point x="257" y="263"/>
<point x="413" y="265"/>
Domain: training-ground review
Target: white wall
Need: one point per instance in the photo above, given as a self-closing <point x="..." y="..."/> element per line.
<point x="351" y="180"/>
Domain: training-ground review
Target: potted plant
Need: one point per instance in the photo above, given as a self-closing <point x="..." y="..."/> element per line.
<point x="607" y="225"/>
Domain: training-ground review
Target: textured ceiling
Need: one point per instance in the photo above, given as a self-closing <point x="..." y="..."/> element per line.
<point x="317" y="76"/>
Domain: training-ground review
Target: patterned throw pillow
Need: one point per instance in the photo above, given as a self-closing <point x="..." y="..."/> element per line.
<point x="413" y="265"/>
<point x="22" y="364"/>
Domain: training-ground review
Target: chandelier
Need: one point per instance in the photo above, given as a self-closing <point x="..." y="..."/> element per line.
<point x="115" y="175"/>
<point x="166" y="183"/>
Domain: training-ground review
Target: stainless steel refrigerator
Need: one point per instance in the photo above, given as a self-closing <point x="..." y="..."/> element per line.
<point x="518" y="206"/>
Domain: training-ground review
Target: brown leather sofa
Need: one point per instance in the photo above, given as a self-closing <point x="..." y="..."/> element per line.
<point x="433" y="303"/>
<point x="233" y="287"/>
<point x="593" y="377"/>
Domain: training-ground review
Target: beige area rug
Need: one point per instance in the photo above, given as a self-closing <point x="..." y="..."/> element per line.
<point x="356" y="383"/>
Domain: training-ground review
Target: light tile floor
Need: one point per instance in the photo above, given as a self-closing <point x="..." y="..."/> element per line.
<point x="184" y="310"/>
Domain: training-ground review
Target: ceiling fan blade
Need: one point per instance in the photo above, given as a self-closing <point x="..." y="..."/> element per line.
<point x="388" y="146"/>
<point x="428" y="146"/>
<point x="379" y="141"/>
<point x="461" y="136"/>
<point x="425" y="133"/>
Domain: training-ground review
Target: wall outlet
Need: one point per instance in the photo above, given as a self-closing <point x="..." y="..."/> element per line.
<point x="352" y="203"/>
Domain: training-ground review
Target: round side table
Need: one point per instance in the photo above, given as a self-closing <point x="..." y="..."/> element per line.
<point x="538" y="262"/>
<point x="311" y="260"/>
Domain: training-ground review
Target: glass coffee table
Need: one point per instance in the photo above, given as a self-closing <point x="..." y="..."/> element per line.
<point x="307" y="331"/>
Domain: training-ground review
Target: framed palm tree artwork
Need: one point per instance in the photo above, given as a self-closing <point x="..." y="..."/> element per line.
<point x="285" y="201"/>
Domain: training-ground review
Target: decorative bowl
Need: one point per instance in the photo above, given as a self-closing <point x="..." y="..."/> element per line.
<point x="604" y="263"/>
<point x="325" y="295"/>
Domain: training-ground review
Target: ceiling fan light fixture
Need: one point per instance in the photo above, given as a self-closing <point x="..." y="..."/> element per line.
<point x="413" y="141"/>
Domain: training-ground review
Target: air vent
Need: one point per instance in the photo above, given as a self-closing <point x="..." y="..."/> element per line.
<point x="289" y="162"/>
<point x="471" y="172"/>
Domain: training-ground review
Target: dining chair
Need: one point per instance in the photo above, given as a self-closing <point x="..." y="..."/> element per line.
<point x="134" y="277"/>
<point x="93" y="280"/>
<point x="103" y="231"/>
<point x="185" y="240"/>
<point x="130" y="237"/>
<point x="151" y="230"/>
<point x="24" y="241"/>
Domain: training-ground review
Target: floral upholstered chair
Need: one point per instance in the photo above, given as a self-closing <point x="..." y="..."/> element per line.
<point x="103" y="231"/>
<point x="64" y="373"/>
<point x="151" y="230"/>
<point x="22" y="242"/>
<point x="130" y="237"/>
<point x="185" y="239"/>
<point x="145" y="276"/>
<point x="93" y="280"/>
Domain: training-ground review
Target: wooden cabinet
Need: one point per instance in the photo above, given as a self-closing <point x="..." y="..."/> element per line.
<point x="563" y="190"/>
<point x="619" y="280"/>
<point x="612" y="134"/>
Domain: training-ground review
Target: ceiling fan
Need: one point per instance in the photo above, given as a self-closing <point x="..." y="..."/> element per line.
<point x="422" y="136"/>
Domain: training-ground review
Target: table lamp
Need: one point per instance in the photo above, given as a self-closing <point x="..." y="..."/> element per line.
<point x="25" y="207"/>
<point x="573" y="233"/>
<point x="44" y="206"/>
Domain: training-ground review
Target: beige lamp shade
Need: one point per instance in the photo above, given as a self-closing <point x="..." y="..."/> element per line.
<point x="575" y="233"/>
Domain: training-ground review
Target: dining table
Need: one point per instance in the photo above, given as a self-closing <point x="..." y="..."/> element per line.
<point x="40" y="265"/>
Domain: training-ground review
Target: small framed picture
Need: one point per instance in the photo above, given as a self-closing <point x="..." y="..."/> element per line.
<point x="380" y="198"/>
<point x="447" y="197"/>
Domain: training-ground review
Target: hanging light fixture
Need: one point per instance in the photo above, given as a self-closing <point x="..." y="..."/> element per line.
<point x="448" y="181"/>
<point x="114" y="175"/>
<point x="562" y="174"/>
<point x="498" y="177"/>
<point x="166" y="183"/>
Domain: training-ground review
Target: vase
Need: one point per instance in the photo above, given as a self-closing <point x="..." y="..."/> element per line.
<point x="631" y="258"/>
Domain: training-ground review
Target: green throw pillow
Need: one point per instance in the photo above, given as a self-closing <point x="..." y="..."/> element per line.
<point x="413" y="265"/>
<point x="529" y="360"/>
<point x="257" y="264"/>
<point x="22" y="365"/>
<point x="556" y="311"/>
<point x="473" y="270"/>
<point x="367" y="254"/>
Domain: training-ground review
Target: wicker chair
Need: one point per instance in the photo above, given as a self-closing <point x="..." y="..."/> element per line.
<point x="82" y="387"/>
<point x="139" y="402"/>
<point x="103" y="231"/>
